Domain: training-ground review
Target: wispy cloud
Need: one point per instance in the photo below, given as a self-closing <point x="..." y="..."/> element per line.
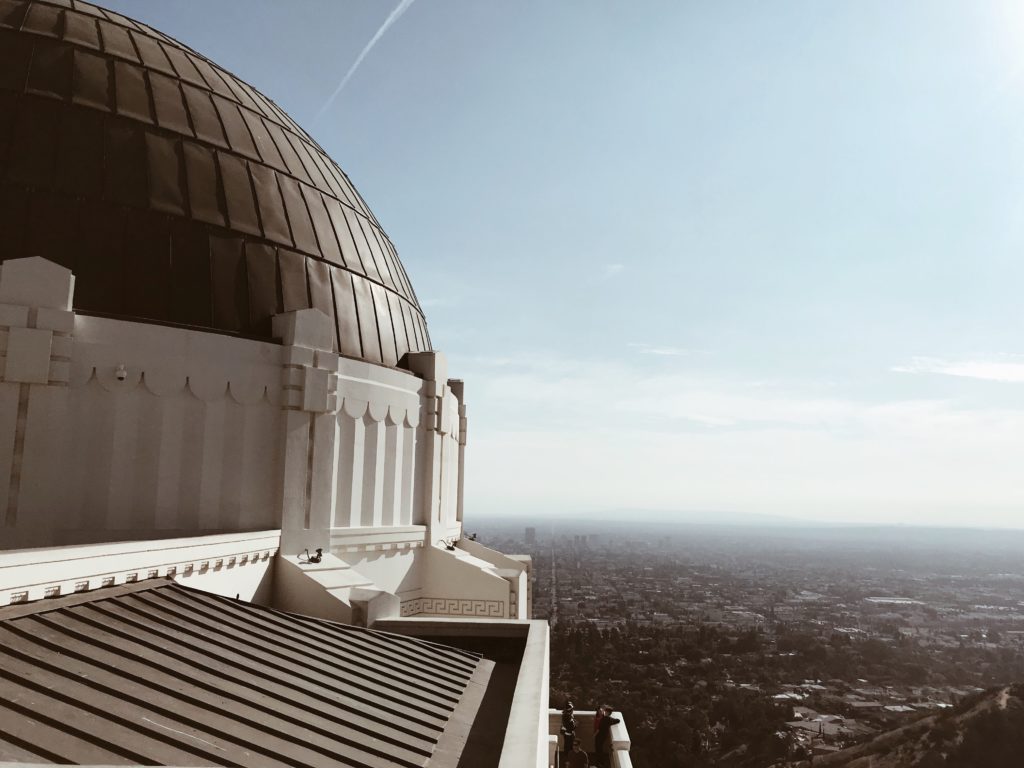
<point x="612" y="269"/>
<point x="592" y="433"/>
<point x="1004" y="368"/>
<point x="650" y="349"/>
<point x="394" y="16"/>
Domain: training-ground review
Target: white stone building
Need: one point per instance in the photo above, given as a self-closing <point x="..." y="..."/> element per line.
<point x="231" y="462"/>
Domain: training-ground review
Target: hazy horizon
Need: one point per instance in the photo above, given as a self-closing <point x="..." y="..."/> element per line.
<point x="711" y="518"/>
<point x="763" y="258"/>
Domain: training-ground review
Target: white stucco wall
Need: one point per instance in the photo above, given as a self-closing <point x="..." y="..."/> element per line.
<point x="188" y="442"/>
<point x="113" y="430"/>
<point x="397" y="571"/>
<point x="118" y="431"/>
<point x="377" y="429"/>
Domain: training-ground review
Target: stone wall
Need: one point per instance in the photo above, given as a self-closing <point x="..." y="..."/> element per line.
<point x="114" y="430"/>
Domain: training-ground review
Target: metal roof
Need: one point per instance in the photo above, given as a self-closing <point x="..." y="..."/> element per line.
<point x="159" y="674"/>
<point x="179" y="194"/>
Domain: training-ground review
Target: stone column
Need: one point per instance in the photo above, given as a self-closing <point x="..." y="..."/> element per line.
<point x="348" y="496"/>
<point x="310" y="401"/>
<point x="392" y="503"/>
<point x="432" y="368"/>
<point x="458" y="389"/>
<point x="409" y="454"/>
<point x="36" y="325"/>
<point x="374" y="457"/>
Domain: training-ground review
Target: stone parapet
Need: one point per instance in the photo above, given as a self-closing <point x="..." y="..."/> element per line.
<point x="111" y="429"/>
<point x="228" y="564"/>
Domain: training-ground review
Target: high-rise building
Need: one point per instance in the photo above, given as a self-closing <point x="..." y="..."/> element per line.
<point x="530" y="537"/>
<point x="231" y="461"/>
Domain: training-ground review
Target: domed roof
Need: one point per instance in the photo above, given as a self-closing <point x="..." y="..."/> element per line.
<point x="179" y="194"/>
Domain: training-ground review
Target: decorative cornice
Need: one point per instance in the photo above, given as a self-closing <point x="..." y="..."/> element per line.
<point x="383" y="539"/>
<point x="35" y="574"/>
<point x="453" y="606"/>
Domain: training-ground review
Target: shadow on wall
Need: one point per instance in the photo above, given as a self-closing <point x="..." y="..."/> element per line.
<point x="487" y="737"/>
<point x="252" y="584"/>
<point x="397" y="571"/>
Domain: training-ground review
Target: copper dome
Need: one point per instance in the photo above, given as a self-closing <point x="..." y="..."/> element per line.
<point x="178" y="193"/>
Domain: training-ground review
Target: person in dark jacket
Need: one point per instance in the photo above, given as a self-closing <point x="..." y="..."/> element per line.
<point x="603" y="737"/>
<point x="577" y="758"/>
<point x="568" y="730"/>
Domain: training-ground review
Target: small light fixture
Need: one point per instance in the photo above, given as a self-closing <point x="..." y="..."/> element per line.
<point x="121" y="372"/>
<point x="315" y="558"/>
<point x="448" y="543"/>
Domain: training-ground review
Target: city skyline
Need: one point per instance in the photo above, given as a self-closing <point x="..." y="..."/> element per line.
<point x="690" y="258"/>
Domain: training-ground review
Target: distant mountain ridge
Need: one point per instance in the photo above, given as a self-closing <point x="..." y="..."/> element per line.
<point x="983" y="731"/>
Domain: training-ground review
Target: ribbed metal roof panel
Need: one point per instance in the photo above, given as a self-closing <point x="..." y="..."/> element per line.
<point x="159" y="674"/>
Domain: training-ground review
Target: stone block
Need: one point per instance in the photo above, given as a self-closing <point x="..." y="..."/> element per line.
<point x="458" y="388"/>
<point x="327" y="360"/>
<point x="429" y="366"/>
<point x="298" y="355"/>
<point x="14" y="316"/>
<point x="28" y="356"/>
<point x="309" y="328"/>
<point x="291" y="398"/>
<point x="36" y="282"/>
<point x="60" y="371"/>
<point x="293" y="377"/>
<point x="58" y="320"/>
<point x="314" y="391"/>
<point x="61" y="346"/>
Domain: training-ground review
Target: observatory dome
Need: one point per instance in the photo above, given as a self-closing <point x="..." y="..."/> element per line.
<point x="177" y="193"/>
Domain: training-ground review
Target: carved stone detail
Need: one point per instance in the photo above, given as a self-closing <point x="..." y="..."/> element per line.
<point x="453" y="606"/>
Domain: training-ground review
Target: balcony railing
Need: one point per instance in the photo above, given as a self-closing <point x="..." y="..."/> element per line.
<point x="585" y="733"/>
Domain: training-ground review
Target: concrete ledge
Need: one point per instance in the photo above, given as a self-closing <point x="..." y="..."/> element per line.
<point x="32" y="574"/>
<point x="383" y="538"/>
<point x="526" y="741"/>
<point x="526" y="736"/>
<point x="435" y="626"/>
<point x="37" y="555"/>
<point x="491" y="556"/>
<point x="620" y="736"/>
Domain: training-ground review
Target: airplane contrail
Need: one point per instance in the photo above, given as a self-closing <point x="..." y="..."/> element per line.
<point x="394" y="16"/>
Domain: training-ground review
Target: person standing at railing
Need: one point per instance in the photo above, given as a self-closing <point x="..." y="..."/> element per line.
<point x="603" y="737"/>
<point x="598" y="714"/>
<point x="568" y="730"/>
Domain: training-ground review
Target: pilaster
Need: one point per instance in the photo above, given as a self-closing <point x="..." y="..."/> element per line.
<point x="433" y="369"/>
<point x="36" y="327"/>
<point x="310" y="401"/>
<point x="458" y="389"/>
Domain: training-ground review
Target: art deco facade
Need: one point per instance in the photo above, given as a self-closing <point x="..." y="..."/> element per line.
<point x="229" y="455"/>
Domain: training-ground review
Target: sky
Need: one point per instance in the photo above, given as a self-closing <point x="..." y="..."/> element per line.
<point x="689" y="257"/>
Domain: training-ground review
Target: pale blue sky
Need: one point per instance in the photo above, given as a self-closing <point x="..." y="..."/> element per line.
<point x="761" y="257"/>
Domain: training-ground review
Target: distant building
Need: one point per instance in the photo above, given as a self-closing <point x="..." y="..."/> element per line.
<point x="531" y="536"/>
